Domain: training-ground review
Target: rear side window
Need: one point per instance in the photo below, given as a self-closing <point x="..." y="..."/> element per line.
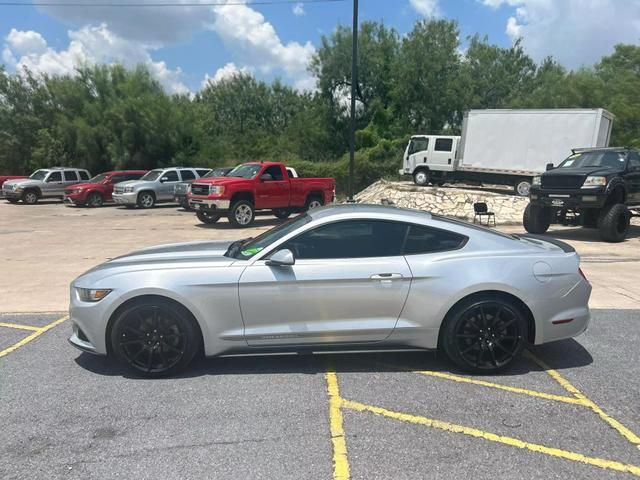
<point x="201" y="172"/>
<point x="430" y="240"/>
<point x="187" y="175"/>
<point x="70" y="176"/>
<point x="83" y="175"/>
<point x="444" y="145"/>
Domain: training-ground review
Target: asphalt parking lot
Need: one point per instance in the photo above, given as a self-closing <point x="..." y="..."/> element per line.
<point x="568" y="410"/>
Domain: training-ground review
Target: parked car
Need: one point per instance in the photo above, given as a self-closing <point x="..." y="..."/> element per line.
<point x="156" y="186"/>
<point x="340" y="277"/>
<point x="4" y="178"/>
<point x="181" y="189"/>
<point x="257" y="186"/>
<point x="99" y="189"/>
<point x="42" y="184"/>
<point x="593" y="188"/>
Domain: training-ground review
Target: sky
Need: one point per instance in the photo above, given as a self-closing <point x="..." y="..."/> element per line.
<point x="186" y="46"/>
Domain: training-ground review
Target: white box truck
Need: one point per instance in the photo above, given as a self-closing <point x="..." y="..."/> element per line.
<point x="505" y="147"/>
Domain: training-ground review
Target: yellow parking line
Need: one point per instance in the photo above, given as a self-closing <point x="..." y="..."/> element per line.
<point x="19" y="327"/>
<point x="33" y="336"/>
<point x="492" y="437"/>
<point x="620" y="428"/>
<point x="506" y="388"/>
<point x="340" y="459"/>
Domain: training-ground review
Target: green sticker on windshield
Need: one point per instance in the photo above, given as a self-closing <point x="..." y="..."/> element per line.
<point x="249" y="252"/>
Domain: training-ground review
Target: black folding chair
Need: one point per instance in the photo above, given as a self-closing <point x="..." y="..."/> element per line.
<point x="481" y="210"/>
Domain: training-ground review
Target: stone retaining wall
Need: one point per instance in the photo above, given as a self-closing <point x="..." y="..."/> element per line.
<point x="455" y="202"/>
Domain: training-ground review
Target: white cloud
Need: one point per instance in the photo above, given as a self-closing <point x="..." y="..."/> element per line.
<point x="88" y="45"/>
<point x="230" y="70"/>
<point x="298" y="9"/>
<point x="575" y="32"/>
<point x="427" y="8"/>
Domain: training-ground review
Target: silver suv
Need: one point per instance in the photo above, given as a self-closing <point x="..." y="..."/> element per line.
<point x="155" y="187"/>
<point x="43" y="183"/>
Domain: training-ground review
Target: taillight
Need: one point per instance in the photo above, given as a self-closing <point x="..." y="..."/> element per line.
<point x="582" y="274"/>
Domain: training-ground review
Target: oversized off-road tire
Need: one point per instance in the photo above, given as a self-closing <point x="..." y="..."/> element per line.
<point x="536" y="219"/>
<point x="613" y="223"/>
<point x="155" y="337"/>
<point x="30" y="197"/>
<point x="241" y="214"/>
<point x="313" y="201"/>
<point x="422" y="177"/>
<point x="484" y="334"/>
<point x="94" y="200"/>
<point x="207" y="217"/>
<point x="282" y="213"/>
<point x="146" y="199"/>
<point x="522" y="188"/>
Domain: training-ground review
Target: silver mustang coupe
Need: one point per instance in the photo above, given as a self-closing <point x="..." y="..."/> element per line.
<point x="340" y="277"/>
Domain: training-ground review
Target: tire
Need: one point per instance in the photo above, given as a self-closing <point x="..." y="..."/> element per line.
<point x="146" y="200"/>
<point x="522" y="188"/>
<point x="282" y="213"/>
<point x="484" y="335"/>
<point x="313" y="202"/>
<point x="30" y="197"/>
<point x="184" y="203"/>
<point x="94" y="200"/>
<point x="241" y="214"/>
<point x="208" y="218"/>
<point x="536" y="219"/>
<point x="613" y="223"/>
<point x="13" y="200"/>
<point x="422" y="177"/>
<point x="155" y="337"/>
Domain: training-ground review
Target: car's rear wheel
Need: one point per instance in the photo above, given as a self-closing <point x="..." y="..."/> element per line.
<point x="30" y="197"/>
<point x="282" y="213"/>
<point x="484" y="335"/>
<point x="155" y="338"/>
<point x="536" y="219"/>
<point x="614" y="222"/>
<point x="146" y="200"/>
<point x="207" y="217"/>
<point x="94" y="200"/>
<point x="314" y="202"/>
<point x="241" y="214"/>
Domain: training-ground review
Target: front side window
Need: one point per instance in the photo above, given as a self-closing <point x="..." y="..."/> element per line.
<point x="275" y="172"/>
<point x="350" y="239"/>
<point x="430" y="240"/>
<point x="70" y="176"/>
<point x="55" y="177"/>
<point x="443" y="145"/>
<point x="187" y="175"/>
<point x="171" y="176"/>
<point x="419" y="145"/>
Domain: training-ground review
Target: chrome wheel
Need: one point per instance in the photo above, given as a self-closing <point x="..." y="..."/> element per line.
<point x="314" y="203"/>
<point x="523" y="188"/>
<point x="243" y="214"/>
<point x="30" y="198"/>
<point x="146" y="200"/>
<point x="421" y="177"/>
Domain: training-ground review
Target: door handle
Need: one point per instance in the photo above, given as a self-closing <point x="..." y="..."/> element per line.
<point x="386" y="276"/>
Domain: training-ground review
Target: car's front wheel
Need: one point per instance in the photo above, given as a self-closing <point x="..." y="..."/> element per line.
<point x="536" y="219"/>
<point x="155" y="337"/>
<point x="146" y="200"/>
<point x="94" y="200"/>
<point x="30" y="197"/>
<point x="614" y="223"/>
<point x="241" y="214"/>
<point x="484" y="335"/>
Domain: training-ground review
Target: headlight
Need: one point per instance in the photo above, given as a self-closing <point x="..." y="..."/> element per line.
<point x="91" y="295"/>
<point x="128" y="189"/>
<point x="216" y="189"/>
<point x="537" y="181"/>
<point x="595" y="182"/>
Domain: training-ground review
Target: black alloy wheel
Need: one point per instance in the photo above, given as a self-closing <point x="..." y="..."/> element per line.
<point x="485" y="336"/>
<point x="155" y="339"/>
<point x="94" y="200"/>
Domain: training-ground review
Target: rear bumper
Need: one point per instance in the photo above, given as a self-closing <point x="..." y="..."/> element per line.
<point x="206" y="204"/>
<point x="125" y="198"/>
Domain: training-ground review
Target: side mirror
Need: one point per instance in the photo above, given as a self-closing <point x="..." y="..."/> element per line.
<point x="282" y="258"/>
<point x="549" y="166"/>
<point x="266" y="178"/>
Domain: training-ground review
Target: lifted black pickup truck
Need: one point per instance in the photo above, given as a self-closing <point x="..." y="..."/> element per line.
<point x="594" y="188"/>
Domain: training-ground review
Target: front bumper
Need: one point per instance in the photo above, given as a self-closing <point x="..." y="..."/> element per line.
<point x="74" y="199"/>
<point x="89" y="322"/>
<point x="218" y="205"/>
<point x="125" y="198"/>
<point x="12" y="194"/>
<point x="569" y="199"/>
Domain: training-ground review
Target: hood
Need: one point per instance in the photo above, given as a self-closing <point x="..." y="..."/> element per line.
<point x="161" y="257"/>
<point x="222" y="180"/>
<point x="84" y="185"/>
<point x="581" y="172"/>
<point x="135" y="183"/>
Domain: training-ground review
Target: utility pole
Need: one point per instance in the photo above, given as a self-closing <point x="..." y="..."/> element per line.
<point x="354" y="83"/>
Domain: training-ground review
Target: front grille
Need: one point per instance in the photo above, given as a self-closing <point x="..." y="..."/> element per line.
<point x="562" y="181"/>
<point x="197" y="189"/>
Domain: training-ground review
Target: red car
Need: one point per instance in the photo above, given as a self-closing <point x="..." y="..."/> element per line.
<point x="257" y="186"/>
<point x="99" y="189"/>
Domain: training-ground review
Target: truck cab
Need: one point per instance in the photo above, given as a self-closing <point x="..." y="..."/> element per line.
<point x="427" y="156"/>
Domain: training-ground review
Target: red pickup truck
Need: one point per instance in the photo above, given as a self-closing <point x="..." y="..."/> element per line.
<point x="257" y="186"/>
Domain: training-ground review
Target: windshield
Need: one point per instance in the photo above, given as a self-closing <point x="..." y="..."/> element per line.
<point x="595" y="159"/>
<point x="245" y="171"/>
<point x="217" y="172"/>
<point x="38" y="175"/>
<point x="152" y="175"/>
<point x="98" y="178"/>
<point x="245" y="249"/>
